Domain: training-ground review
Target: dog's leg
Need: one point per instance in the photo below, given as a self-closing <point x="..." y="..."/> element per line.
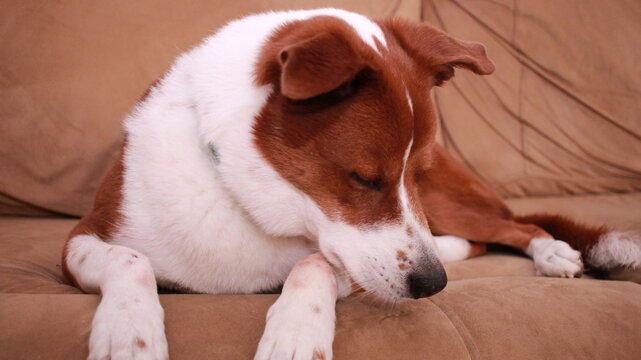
<point x="602" y="248"/>
<point x="457" y="203"/>
<point x="453" y="248"/>
<point x="300" y="324"/>
<point x="128" y="323"/>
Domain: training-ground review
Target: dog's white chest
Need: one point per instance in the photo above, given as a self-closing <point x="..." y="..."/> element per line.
<point x="179" y="212"/>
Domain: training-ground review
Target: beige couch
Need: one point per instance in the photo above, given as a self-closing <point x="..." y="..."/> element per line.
<point x="556" y="129"/>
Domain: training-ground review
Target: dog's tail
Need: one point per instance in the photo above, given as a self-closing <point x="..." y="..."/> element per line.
<point x="603" y="249"/>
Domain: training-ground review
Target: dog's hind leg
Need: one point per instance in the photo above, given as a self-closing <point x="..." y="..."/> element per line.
<point x="128" y="323"/>
<point x="453" y="248"/>
<point x="602" y="249"/>
<point x="300" y="324"/>
<point x="456" y="203"/>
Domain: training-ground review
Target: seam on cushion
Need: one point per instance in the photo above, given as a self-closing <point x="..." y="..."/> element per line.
<point x="462" y="331"/>
<point x="591" y="195"/>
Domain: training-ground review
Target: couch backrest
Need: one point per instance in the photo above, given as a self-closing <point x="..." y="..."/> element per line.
<point x="562" y="114"/>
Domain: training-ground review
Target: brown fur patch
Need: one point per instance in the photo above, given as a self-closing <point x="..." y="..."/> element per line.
<point x="409" y="231"/>
<point x="306" y="139"/>
<point x="580" y="237"/>
<point x="318" y="355"/>
<point x="339" y="111"/>
<point x="449" y="189"/>
<point x="477" y="249"/>
<point x="481" y="216"/>
<point x="105" y="216"/>
<point x="401" y="255"/>
<point x="355" y="288"/>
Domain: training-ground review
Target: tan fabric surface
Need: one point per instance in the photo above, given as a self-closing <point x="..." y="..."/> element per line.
<point x="71" y="70"/>
<point x="617" y="211"/>
<point x="491" y="307"/>
<point x="560" y="115"/>
<point x="30" y="254"/>
<point x="545" y="318"/>
<point x="490" y="265"/>
<point x="224" y="327"/>
<point x="493" y="318"/>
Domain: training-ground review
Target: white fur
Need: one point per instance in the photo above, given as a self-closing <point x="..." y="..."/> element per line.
<point x="617" y="249"/>
<point x="554" y="258"/>
<point x="452" y="248"/>
<point x="409" y="100"/>
<point x="126" y="281"/>
<point x="301" y="322"/>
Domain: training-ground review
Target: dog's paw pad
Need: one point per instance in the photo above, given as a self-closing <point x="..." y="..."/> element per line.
<point x="555" y="258"/>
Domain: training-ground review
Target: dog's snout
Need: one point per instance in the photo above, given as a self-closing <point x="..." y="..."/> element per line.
<point x="426" y="284"/>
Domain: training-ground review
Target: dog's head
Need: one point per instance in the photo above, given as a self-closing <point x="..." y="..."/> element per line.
<point x="350" y="123"/>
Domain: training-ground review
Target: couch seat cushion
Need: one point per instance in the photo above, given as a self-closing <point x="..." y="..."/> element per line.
<point x="489" y="318"/>
<point x="492" y="308"/>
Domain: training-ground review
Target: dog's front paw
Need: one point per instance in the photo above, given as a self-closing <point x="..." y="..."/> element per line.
<point x="555" y="258"/>
<point x="297" y="332"/>
<point x="128" y="327"/>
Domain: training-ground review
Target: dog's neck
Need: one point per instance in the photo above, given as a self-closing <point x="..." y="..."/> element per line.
<point x="214" y="153"/>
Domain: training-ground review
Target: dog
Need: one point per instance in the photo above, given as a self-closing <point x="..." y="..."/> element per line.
<point x="298" y="149"/>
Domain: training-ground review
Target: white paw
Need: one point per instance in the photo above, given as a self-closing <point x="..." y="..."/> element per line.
<point x="128" y="327"/>
<point x="452" y="248"/>
<point x="297" y="332"/>
<point x="555" y="258"/>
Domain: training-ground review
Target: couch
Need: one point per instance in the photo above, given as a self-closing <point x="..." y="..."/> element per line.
<point x="556" y="129"/>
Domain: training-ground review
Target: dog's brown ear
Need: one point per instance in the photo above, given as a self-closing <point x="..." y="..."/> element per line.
<point x="439" y="52"/>
<point x="450" y="53"/>
<point x="317" y="65"/>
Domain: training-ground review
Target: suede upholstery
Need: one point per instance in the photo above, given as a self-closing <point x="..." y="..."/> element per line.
<point x="556" y="129"/>
<point x="492" y="308"/>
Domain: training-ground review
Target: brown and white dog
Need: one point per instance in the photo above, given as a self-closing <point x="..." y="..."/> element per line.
<point x="297" y="149"/>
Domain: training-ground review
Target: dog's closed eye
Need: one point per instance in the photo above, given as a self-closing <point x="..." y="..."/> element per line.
<point x="374" y="184"/>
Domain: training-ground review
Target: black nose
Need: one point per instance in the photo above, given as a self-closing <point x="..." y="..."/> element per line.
<point x="426" y="284"/>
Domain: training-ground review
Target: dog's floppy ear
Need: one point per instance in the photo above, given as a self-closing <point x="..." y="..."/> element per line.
<point x="316" y="65"/>
<point x="439" y="52"/>
<point x="449" y="53"/>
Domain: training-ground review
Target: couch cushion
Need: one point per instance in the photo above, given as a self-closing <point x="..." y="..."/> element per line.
<point x="545" y="318"/>
<point x="492" y="308"/>
<point x="615" y="210"/>
<point x="30" y="254"/>
<point x="491" y="318"/>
